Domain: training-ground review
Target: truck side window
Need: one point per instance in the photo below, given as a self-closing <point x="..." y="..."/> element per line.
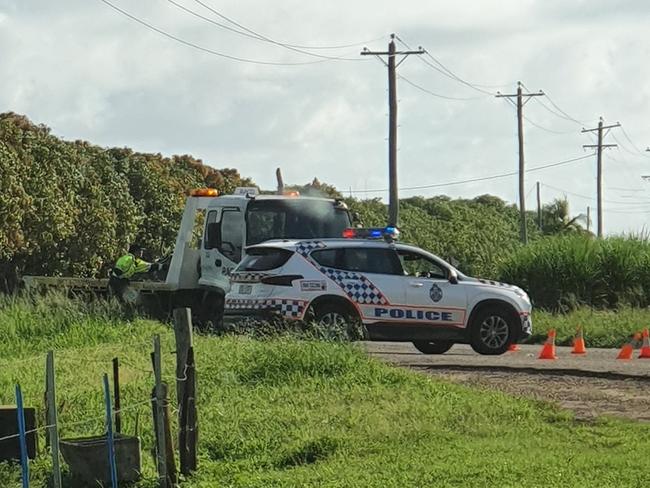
<point x="232" y="229"/>
<point x="211" y="238"/>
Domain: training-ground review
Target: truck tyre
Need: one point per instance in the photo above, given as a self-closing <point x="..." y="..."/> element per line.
<point x="492" y="330"/>
<point x="433" y="347"/>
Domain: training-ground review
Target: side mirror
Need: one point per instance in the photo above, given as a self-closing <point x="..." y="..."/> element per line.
<point x="453" y="278"/>
<point x="213" y="235"/>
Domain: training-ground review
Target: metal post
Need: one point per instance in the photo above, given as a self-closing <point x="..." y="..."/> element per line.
<point x="160" y="421"/>
<point x="116" y="394"/>
<point x="24" y="460"/>
<point x="52" y="419"/>
<point x="110" y="441"/>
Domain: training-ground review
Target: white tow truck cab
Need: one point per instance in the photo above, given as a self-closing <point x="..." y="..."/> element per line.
<point x="397" y="291"/>
<point x="203" y="257"/>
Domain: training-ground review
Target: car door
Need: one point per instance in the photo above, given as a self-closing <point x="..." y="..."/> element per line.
<point x="430" y="295"/>
<point x="376" y="280"/>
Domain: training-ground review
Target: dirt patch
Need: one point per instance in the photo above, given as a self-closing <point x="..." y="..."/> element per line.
<point x="588" y="397"/>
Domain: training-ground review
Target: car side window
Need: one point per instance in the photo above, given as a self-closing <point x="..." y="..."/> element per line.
<point x="419" y="265"/>
<point x="325" y="257"/>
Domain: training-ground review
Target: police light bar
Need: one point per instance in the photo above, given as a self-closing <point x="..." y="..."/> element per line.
<point x="371" y="233"/>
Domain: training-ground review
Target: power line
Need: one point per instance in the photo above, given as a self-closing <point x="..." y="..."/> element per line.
<point x="632" y="143"/>
<point x="434" y="94"/>
<point x="253" y="35"/>
<point x="204" y="49"/>
<point x="261" y="36"/>
<point x="585" y="196"/>
<point x="482" y="178"/>
<point x="442" y="69"/>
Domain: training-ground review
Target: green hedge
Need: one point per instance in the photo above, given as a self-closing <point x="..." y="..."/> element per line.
<point x="563" y="272"/>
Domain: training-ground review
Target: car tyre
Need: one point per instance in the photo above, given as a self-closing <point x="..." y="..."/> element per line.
<point x="433" y="347"/>
<point x="492" y="330"/>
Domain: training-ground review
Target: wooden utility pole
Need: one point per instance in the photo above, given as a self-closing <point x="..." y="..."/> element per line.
<point x="523" y="234"/>
<point x="278" y="176"/>
<point x="539" y="209"/>
<point x="599" y="166"/>
<point x="393" y="197"/>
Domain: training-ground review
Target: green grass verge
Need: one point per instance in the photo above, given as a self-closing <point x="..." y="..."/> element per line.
<point x="285" y="412"/>
<point x="602" y="328"/>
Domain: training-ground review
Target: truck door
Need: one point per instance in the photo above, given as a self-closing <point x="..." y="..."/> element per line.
<point x="222" y="246"/>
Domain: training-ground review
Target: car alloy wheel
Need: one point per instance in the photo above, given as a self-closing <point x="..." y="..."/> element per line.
<point x="494" y="331"/>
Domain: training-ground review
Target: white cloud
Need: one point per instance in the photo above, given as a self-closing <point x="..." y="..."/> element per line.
<point x="89" y="72"/>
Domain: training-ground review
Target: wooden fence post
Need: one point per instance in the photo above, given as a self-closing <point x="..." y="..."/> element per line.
<point x="52" y="419"/>
<point x="189" y="424"/>
<point x="185" y="389"/>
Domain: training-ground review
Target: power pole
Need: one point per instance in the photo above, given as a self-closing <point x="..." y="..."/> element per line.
<point x="588" y="218"/>
<point x="523" y="234"/>
<point x="393" y="198"/>
<point x="599" y="161"/>
<point x="539" y="209"/>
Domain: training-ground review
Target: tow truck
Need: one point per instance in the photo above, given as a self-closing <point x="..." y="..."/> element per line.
<point x="197" y="272"/>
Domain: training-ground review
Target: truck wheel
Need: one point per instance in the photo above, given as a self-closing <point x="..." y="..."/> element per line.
<point x="492" y="331"/>
<point x="431" y="347"/>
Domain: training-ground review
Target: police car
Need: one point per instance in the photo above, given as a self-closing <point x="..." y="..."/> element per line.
<point x="398" y="292"/>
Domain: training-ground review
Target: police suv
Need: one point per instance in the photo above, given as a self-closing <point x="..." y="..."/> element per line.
<point x="398" y="292"/>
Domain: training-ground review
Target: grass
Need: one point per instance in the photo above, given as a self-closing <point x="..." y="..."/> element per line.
<point x="289" y="412"/>
<point x="602" y="328"/>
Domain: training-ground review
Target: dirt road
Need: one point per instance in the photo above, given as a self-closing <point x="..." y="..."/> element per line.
<point x="591" y="385"/>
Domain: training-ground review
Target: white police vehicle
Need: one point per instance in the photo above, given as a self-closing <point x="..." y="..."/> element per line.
<point x="399" y="292"/>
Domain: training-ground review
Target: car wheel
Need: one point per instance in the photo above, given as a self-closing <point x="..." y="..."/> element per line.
<point x="492" y="331"/>
<point x="331" y="315"/>
<point x="431" y="347"/>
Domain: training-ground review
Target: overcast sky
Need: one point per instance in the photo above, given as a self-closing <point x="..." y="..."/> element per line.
<point x="89" y="72"/>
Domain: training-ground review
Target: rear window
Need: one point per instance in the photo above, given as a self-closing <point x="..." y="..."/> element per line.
<point x="264" y="259"/>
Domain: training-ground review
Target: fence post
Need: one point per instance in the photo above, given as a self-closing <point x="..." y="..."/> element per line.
<point x="116" y="394"/>
<point x="159" y="409"/>
<point x="189" y="422"/>
<point x="110" y="443"/>
<point x="24" y="460"/>
<point x="184" y="343"/>
<point x="52" y="419"/>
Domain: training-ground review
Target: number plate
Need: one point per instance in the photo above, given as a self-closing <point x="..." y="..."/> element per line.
<point x="245" y="289"/>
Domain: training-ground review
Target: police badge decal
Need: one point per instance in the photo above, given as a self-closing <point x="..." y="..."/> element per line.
<point x="435" y="293"/>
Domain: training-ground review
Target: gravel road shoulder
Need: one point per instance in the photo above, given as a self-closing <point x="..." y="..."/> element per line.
<point x="591" y="386"/>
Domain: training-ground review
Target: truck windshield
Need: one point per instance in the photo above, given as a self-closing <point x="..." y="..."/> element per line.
<point x="294" y="219"/>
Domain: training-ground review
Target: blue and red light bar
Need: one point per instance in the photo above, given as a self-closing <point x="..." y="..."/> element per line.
<point x="371" y="233"/>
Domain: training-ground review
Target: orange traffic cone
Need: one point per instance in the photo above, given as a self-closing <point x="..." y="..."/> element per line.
<point x="514" y="347"/>
<point x="645" y="347"/>
<point x="548" y="350"/>
<point x="579" y="343"/>
<point x="628" y="348"/>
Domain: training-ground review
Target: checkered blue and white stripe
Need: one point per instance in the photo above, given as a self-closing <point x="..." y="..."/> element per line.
<point x="247" y="277"/>
<point x="356" y="286"/>
<point x="305" y="247"/>
<point x="293" y="309"/>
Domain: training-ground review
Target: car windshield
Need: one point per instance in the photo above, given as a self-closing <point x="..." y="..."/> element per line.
<point x="294" y="219"/>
